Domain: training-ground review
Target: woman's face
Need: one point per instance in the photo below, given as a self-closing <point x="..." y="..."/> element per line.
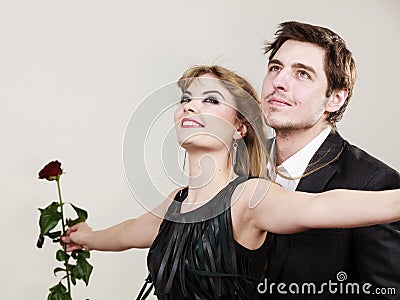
<point x="205" y="118"/>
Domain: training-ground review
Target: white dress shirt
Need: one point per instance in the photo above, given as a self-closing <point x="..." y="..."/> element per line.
<point x="295" y="165"/>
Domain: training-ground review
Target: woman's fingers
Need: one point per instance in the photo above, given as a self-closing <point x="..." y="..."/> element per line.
<point x="72" y="247"/>
<point x="71" y="239"/>
<point x="66" y="239"/>
<point x="77" y="227"/>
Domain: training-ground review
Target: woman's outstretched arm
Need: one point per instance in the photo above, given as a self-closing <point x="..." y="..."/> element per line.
<point x="284" y="212"/>
<point x="132" y="233"/>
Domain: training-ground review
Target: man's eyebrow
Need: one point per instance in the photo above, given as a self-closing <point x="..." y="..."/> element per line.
<point x="275" y="62"/>
<point x="294" y="66"/>
<point x="305" y="67"/>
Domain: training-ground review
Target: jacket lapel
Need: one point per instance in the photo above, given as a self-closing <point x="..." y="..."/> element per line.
<point x="322" y="165"/>
<point x="323" y="162"/>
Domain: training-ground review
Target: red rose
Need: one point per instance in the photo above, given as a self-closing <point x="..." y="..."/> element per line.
<point x="51" y="171"/>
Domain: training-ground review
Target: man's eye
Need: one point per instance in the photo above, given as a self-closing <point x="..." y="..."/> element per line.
<point x="304" y="74"/>
<point x="185" y="99"/>
<point x="211" y="99"/>
<point x="274" y="68"/>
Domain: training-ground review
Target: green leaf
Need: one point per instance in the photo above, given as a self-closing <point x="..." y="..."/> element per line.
<point x="71" y="222"/>
<point x="84" y="253"/>
<point x="59" y="292"/>
<point x="76" y="253"/>
<point x="73" y="272"/>
<point x="84" y="268"/>
<point x="59" y="296"/>
<point x="61" y="255"/>
<point x="40" y="241"/>
<point x="58" y="269"/>
<point x="54" y="234"/>
<point x="49" y="218"/>
<point x="82" y="214"/>
<point x="58" y="288"/>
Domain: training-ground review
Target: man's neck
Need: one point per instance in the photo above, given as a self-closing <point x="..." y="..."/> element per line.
<point x="288" y="143"/>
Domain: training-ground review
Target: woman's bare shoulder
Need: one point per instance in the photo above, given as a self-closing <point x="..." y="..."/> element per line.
<point x="162" y="208"/>
<point x="252" y="191"/>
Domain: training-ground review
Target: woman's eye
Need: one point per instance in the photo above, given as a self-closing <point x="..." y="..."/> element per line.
<point x="211" y="99"/>
<point x="185" y="99"/>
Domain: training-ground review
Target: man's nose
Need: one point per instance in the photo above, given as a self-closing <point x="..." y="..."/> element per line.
<point x="281" y="81"/>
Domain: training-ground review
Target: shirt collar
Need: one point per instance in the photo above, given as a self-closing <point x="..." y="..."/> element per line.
<point x="298" y="162"/>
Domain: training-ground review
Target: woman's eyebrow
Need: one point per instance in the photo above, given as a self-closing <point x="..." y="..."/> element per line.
<point x="213" y="92"/>
<point x="206" y="92"/>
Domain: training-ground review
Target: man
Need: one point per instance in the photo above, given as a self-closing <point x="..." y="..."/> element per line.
<point x="307" y="87"/>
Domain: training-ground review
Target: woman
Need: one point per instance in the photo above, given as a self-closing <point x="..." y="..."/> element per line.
<point x="212" y="241"/>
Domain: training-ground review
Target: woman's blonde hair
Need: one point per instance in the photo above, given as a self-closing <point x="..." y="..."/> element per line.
<point x="252" y="155"/>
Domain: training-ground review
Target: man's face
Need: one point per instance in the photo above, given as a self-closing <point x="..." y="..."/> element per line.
<point x="293" y="91"/>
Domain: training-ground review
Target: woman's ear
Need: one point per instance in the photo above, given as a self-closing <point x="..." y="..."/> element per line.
<point x="240" y="132"/>
<point x="337" y="100"/>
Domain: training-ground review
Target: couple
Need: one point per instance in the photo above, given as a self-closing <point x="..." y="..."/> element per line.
<point x="212" y="243"/>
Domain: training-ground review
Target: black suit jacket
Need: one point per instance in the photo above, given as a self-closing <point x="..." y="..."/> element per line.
<point x="361" y="255"/>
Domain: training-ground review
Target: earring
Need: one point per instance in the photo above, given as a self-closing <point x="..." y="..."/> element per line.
<point x="184" y="162"/>
<point x="183" y="171"/>
<point x="236" y="136"/>
<point x="234" y="153"/>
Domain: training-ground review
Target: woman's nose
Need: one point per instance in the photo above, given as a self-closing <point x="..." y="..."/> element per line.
<point x="190" y="107"/>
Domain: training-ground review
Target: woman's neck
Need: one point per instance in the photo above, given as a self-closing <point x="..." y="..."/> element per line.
<point x="208" y="174"/>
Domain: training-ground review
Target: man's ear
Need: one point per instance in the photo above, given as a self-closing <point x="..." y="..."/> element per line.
<point x="336" y="100"/>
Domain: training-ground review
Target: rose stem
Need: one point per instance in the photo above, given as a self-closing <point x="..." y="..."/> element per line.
<point x="63" y="230"/>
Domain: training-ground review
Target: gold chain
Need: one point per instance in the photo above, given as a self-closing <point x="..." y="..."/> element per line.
<point x="312" y="171"/>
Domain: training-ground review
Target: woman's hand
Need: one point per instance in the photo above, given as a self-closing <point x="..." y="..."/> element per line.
<point x="76" y="237"/>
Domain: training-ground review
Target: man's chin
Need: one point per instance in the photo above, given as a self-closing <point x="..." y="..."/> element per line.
<point x="290" y="127"/>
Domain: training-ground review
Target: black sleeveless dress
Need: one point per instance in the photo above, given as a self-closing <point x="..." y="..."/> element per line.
<point x="199" y="259"/>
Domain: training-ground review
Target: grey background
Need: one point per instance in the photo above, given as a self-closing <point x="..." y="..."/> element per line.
<point x="72" y="73"/>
